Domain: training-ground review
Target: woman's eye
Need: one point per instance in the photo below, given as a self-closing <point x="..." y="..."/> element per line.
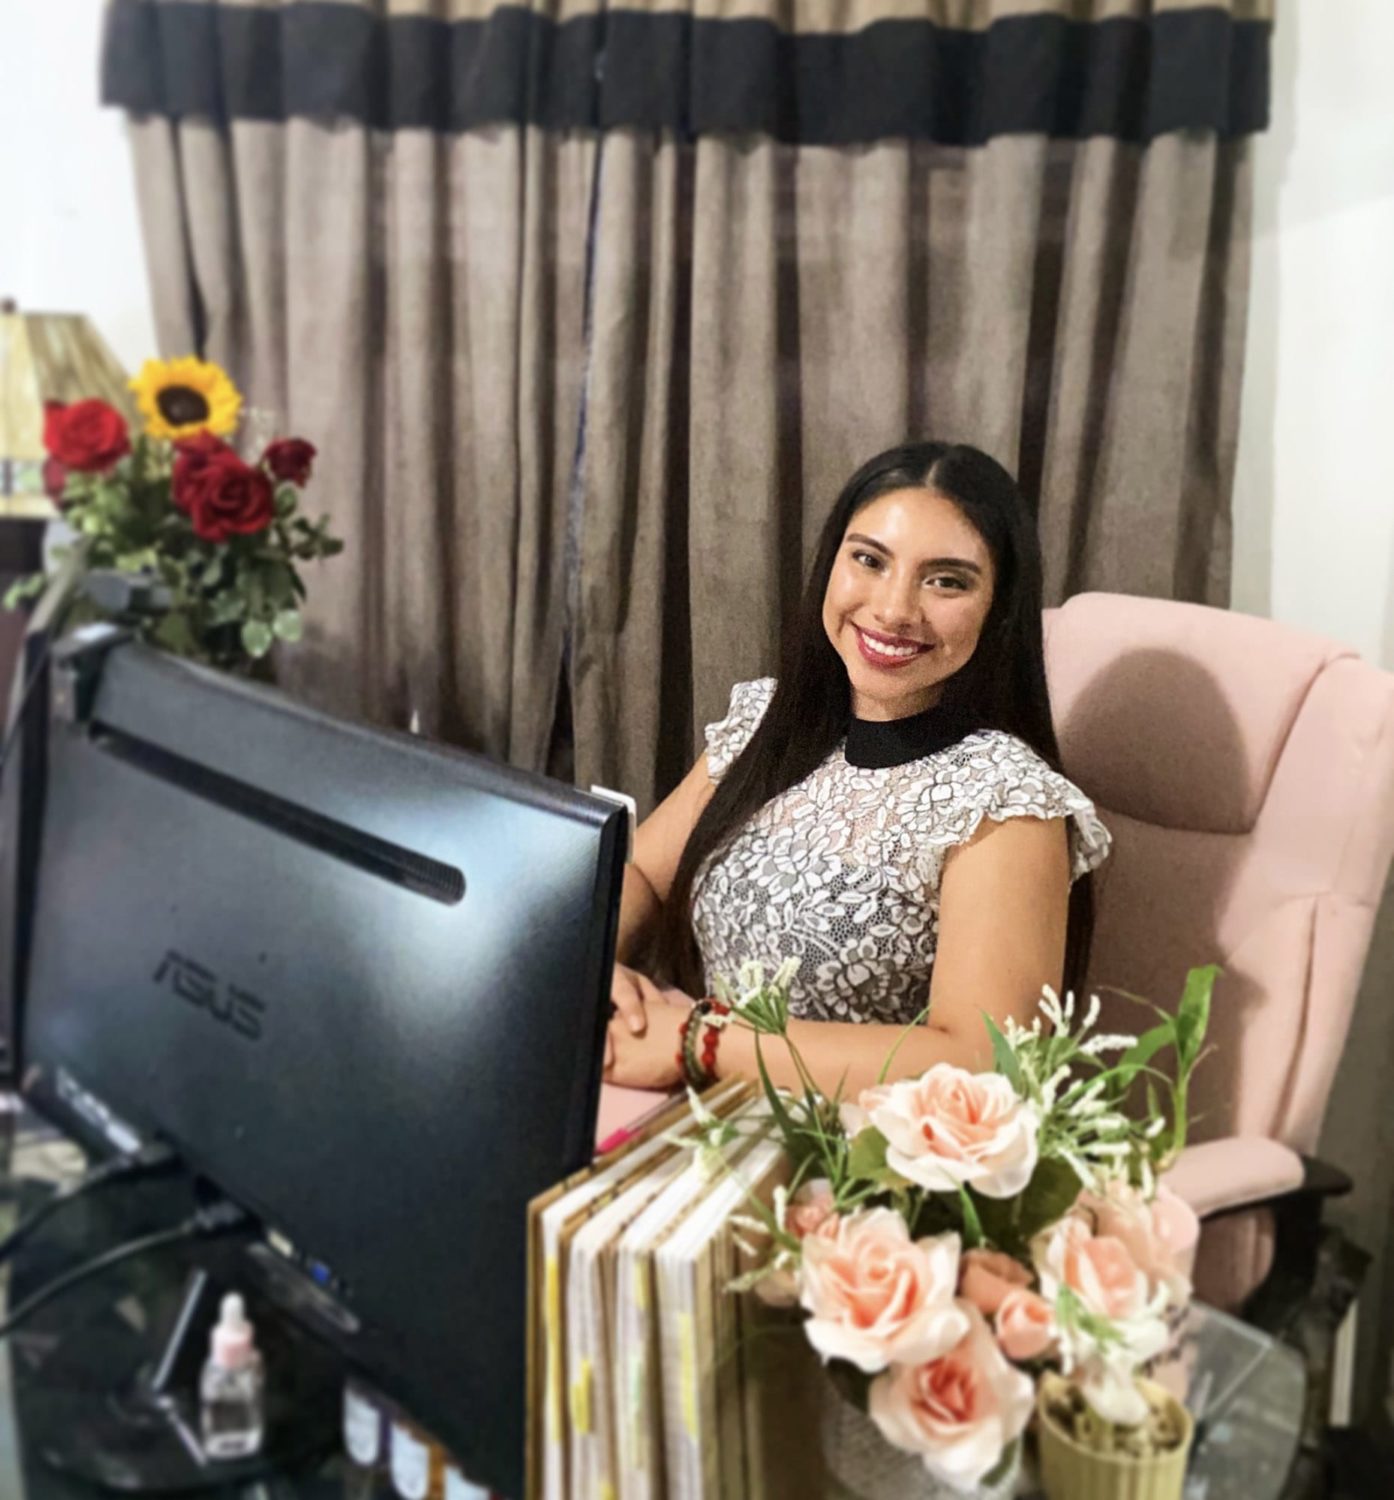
<point x="866" y="559"/>
<point x="948" y="581"/>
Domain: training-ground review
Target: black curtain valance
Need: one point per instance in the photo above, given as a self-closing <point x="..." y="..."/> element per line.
<point x="1130" y="76"/>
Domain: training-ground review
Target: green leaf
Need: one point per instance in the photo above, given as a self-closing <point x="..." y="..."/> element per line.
<point x="24" y="589"/>
<point x="1010" y="1223"/>
<point x="1193" y="1015"/>
<point x="972" y="1224"/>
<point x="1003" y="1057"/>
<point x="899" y="1041"/>
<point x="226" y="608"/>
<point x="211" y="574"/>
<point x="286" y="501"/>
<point x="288" y="625"/>
<point x="256" y="638"/>
<point x="1142" y="1051"/>
<point x="868" y="1154"/>
<point x="175" y="634"/>
<point x="781" y="1115"/>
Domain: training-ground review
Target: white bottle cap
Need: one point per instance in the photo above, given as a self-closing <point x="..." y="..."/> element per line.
<point x="232" y="1338"/>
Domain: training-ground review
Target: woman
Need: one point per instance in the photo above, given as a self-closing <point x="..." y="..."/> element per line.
<point x="890" y="813"/>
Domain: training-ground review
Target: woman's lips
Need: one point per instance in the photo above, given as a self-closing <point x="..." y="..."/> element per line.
<point x="890" y="659"/>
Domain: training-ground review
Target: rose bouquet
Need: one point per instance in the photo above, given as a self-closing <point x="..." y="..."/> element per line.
<point x="215" y="536"/>
<point x="952" y="1239"/>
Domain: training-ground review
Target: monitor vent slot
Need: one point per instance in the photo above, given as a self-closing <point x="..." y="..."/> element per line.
<point x="364" y="851"/>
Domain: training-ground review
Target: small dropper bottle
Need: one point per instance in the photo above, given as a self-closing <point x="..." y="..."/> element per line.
<point x="230" y="1391"/>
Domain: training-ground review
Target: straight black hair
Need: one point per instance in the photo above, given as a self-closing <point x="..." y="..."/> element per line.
<point x="1001" y="686"/>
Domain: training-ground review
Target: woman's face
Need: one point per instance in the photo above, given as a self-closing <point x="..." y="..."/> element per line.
<point x="907" y="597"/>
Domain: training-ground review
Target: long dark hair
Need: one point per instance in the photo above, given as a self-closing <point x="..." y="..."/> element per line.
<point x="1001" y="686"/>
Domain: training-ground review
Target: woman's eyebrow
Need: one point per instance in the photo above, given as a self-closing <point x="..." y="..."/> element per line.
<point x="930" y="562"/>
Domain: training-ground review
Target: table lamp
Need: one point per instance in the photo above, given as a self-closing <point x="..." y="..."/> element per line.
<point x="45" y="357"/>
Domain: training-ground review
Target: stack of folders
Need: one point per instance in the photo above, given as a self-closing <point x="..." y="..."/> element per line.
<point x="647" y="1378"/>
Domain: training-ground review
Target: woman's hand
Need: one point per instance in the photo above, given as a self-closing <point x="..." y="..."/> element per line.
<point x="649" y="1059"/>
<point x="631" y="993"/>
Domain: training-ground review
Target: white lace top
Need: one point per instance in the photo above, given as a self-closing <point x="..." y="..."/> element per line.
<point x="842" y="871"/>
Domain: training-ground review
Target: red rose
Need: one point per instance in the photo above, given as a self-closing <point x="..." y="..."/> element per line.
<point x="194" y="456"/>
<point x="289" y="459"/>
<point x="229" y="498"/>
<point x="88" y="435"/>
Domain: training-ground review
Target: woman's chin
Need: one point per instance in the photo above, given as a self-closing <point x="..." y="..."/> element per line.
<point x="876" y="698"/>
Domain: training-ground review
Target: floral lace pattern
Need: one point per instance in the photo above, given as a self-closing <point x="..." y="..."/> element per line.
<point x="842" y="871"/>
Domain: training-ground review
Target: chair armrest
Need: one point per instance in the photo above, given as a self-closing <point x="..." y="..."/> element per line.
<point x="1236" y="1172"/>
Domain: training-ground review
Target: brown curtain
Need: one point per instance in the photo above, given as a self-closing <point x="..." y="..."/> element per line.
<point x="592" y="309"/>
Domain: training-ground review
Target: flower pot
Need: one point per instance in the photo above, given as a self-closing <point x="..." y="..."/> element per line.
<point x="1070" y="1471"/>
<point x="866" y="1467"/>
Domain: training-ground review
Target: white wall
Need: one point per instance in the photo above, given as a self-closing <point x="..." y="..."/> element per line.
<point x="1314" y="498"/>
<point x="71" y="240"/>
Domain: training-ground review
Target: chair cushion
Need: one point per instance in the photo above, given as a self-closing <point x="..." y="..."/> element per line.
<point x="1176" y="714"/>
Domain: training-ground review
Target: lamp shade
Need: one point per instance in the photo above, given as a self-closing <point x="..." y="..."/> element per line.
<point x="46" y="357"/>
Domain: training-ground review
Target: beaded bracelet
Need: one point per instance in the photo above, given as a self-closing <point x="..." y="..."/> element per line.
<point x="707" y="1017"/>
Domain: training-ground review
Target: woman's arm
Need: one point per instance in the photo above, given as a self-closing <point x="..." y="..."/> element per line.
<point x="658" y="846"/>
<point x="1003" y="904"/>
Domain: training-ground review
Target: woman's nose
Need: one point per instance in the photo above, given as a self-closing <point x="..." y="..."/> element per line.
<point x="895" y="605"/>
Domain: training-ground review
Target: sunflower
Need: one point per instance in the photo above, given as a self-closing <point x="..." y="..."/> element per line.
<point x="179" y="397"/>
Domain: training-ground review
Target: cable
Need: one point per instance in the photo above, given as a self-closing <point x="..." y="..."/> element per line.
<point x="147" y="1162"/>
<point x="218" y="1219"/>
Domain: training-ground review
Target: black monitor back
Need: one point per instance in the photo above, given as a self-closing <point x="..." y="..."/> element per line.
<point x="359" y="981"/>
<point x="22" y="775"/>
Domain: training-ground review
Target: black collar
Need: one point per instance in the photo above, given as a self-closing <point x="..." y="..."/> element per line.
<point x="873" y="744"/>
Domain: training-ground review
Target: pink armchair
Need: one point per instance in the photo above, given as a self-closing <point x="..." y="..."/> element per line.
<point x="1247" y="773"/>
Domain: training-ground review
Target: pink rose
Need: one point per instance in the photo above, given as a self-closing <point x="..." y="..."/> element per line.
<point x="810" y="1212"/>
<point x="986" y="1276"/>
<point x="1025" y="1325"/>
<point x="1099" y="1270"/>
<point x="1160" y="1236"/>
<point x="1096" y="1267"/>
<point x="874" y="1295"/>
<point x="958" y="1412"/>
<point x="952" y="1128"/>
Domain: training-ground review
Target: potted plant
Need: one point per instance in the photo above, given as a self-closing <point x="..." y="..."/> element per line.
<point x="967" y="1250"/>
<point x="213" y="538"/>
<point x="1087" y="1457"/>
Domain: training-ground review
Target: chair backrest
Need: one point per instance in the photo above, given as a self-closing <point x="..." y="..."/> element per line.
<point x="1246" y="771"/>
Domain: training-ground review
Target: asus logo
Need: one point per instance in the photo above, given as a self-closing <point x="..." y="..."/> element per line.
<point x="226" y="1003"/>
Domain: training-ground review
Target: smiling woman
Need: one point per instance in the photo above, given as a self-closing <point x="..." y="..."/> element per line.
<point x="889" y="816"/>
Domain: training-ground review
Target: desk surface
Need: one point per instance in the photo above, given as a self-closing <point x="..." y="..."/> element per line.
<point x="1246" y="1389"/>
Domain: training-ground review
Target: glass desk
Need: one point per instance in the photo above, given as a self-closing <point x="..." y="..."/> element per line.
<point x="1246" y="1390"/>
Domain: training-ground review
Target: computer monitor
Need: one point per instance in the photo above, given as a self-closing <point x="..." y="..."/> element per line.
<point x="359" y="981"/>
<point x="22" y="774"/>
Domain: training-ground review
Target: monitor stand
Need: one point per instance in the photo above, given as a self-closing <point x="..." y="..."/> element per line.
<point x="102" y="1410"/>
